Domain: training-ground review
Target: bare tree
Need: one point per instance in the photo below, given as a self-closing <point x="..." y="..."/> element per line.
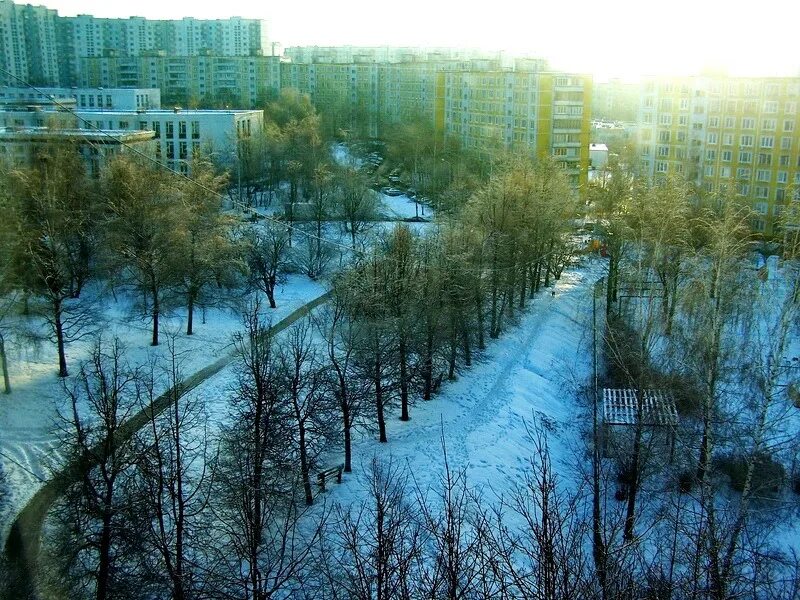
<point x="267" y="258"/>
<point x="309" y="409"/>
<point x="174" y="482"/>
<point x="103" y="395"/>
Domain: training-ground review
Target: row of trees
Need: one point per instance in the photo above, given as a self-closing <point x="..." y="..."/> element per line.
<point x="405" y="316"/>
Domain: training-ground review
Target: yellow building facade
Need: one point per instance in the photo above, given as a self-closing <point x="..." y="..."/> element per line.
<point x="731" y="137"/>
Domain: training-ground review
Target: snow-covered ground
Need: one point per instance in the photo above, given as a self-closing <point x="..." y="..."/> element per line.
<point x="403" y="207"/>
<point x="531" y="373"/>
<point x="30" y="416"/>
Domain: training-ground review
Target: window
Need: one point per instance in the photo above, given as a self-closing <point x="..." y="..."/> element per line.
<point x="746" y="141"/>
<point x="770" y="107"/>
<point x="711" y="155"/>
<point x="157" y="128"/>
<point x="780" y="196"/>
<point x="725" y="172"/>
<point x="663" y="151"/>
<point x="170" y="149"/>
<point x="195" y="149"/>
<point x="762" y="192"/>
<point x="783" y="177"/>
<point x="183" y="150"/>
<point x="729" y="122"/>
<point x="767" y="141"/>
<point x="788" y="125"/>
<point x="748" y="123"/>
<point x="743" y="189"/>
<point x="791" y="108"/>
<point x="745" y="157"/>
<point x="683" y="120"/>
<point x="711" y="138"/>
<point x="108" y="101"/>
<point x="91" y="101"/>
<point x="684" y="104"/>
<point x="727" y="139"/>
<point x="663" y="136"/>
<point x="727" y="155"/>
<point x="784" y="160"/>
<point x="786" y="143"/>
<point x="713" y="121"/>
<point x="742" y="173"/>
<point x="709" y="171"/>
<point x="681" y="136"/>
<point x="762" y="175"/>
<point x="760" y="207"/>
<point x="182" y="130"/>
<point x="764" y="158"/>
<point x="124" y="125"/>
<point x="170" y="129"/>
<point x="665" y="119"/>
<point x="142" y="125"/>
<point x="768" y="124"/>
<point x="195" y="130"/>
<point x="661" y="167"/>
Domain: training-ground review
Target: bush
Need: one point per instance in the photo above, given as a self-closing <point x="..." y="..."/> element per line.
<point x="768" y="474"/>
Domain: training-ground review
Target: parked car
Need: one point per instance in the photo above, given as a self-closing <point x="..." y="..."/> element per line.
<point x="390" y="191"/>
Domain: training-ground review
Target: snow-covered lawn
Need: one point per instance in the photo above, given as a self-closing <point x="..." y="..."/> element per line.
<point x="530" y="373"/>
<point x="403" y="207"/>
<point x="29" y="417"/>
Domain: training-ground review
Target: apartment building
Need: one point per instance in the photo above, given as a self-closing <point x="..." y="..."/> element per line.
<point x="28" y="49"/>
<point x="39" y="46"/>
<point x="235" y="81"/>
<point x="734" y="137"/>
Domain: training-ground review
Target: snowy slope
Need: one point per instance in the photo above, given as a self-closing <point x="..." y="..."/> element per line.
<point x="530" y="373"/>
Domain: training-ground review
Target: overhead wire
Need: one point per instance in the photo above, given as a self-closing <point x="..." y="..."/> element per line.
<point x="160" y="164"/>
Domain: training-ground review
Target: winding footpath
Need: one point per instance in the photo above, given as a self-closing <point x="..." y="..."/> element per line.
<point x="24" y="541"/>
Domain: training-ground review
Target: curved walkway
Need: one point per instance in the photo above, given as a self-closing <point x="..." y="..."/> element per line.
<point x="24" y="540"/>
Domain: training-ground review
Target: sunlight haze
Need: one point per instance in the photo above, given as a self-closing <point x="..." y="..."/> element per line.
<point x="620" y="38"/>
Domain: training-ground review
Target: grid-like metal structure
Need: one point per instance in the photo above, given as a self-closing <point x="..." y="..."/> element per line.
<point x="621" y="406"/>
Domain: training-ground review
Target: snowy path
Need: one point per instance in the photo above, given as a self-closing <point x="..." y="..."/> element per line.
<point x="29" y="418"/>
<point x="530" y="373"/>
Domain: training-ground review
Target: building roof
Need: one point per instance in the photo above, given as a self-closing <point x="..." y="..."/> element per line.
<point x="598" y="147"/>
<point x="106" y="136"/>
<point x="168" y="111"/>
<point x="620" y="407"/>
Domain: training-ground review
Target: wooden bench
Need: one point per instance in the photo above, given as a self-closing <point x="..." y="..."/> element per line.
<point x="323" y="475"/>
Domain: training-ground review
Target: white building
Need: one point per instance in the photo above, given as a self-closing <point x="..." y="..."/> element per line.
<point x="181" y="134"/>
<point x="598" y="156"/>
<point x="20" y="146"/>
<point x="85" y="98"/>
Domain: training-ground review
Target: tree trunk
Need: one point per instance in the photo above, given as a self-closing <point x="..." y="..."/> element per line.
<point x="346" y="425"/>
<point x="379" y="397"/>
<point x="104" y="551"/>
<point x="269" y="288"/>
<point x="156" y="313"/>
<point x="190" y="310"/>
<point x="4" y="366"/>
<point x="403" y="350"/>
<point x="304" y="465"/>
<point x="59" y="326"/>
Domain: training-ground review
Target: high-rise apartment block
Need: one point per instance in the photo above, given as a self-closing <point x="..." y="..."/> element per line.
<point x="730" y="136"/>
<point x="43" y="48"/>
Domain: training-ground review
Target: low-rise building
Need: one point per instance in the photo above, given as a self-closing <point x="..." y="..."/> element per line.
<point x="85" y="98"/>
<point x="181" y="134"/>
<point x="21" y="145"/>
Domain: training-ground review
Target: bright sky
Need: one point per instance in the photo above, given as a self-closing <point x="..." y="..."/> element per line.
<point x="609" y="38"/>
